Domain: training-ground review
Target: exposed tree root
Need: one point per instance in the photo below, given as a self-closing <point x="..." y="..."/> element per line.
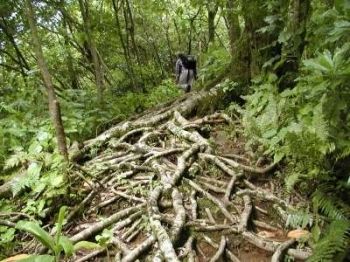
<point x="220" y="251"/>
<point x="162" y="184"/>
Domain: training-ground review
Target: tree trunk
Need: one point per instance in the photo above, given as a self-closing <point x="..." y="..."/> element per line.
<point x="54" y="106"/>
<point x="73" y="78"/>
<point x="124" y="47"/>
<point x="84" y="9"/>
<point x="212" y="10"/>
<point x="191" y="19"/>
<point x="21" y="61"/>
<point x="293" y="48"/>
<point x="240" y="58"/>
<point x="130" y="28"/>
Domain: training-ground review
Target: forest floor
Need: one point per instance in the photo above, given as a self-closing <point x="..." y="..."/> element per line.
<point x="172" y="185"/>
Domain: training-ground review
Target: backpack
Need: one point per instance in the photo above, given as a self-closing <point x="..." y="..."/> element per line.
<point x="189" y="62"/>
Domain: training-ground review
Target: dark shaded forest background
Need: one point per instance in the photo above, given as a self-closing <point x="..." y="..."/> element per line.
<point x="71" y="69"/>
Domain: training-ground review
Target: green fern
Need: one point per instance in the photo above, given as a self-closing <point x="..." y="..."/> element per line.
<point x="291" y="180"/>
<point x="335" y="243"/>
<point x="300" y="218"/>
<point x="330" y="205"/>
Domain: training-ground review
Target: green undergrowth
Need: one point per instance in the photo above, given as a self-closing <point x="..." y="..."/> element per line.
<point x="28" y="147"/>
<point x="307" y="128"/>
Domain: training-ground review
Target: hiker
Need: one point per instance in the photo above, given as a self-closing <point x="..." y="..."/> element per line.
<point x="186" y="71"/>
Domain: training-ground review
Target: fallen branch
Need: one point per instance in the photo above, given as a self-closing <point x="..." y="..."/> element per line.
<point x="278" y="255"/>
<point x="91" y="255"/>
<point x="222" y="207"/>
<point x="136" y="252"/>
<point x="133" y="235"/>
<point x="181" y="163"/>
<point x="263" y="194"/>
<point x="272" y="246"/>
<point x="127" y="221"/>
<point x="229" y="189"/>
<point x="180" y="217"/>
<point x="162" y="154"/>
<point x="248" y="207"/>
<point x="213" y="188"/>
<point x="250" y="169"/>
<point x="133" y="132"/>
<point x="210" y="216"/>
<point x="228" y="253"/>
<point x="96" y="227"/>
<point x="128" y="197"/>
<point x="131" y="229"/>
<point x="165" y="244"/>
<point x="219" y="163"/>
<point x="191" y="136"/>
<point x="220" y="251"/>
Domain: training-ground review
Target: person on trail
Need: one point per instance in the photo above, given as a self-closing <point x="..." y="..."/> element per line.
<point x="186" y="71"/>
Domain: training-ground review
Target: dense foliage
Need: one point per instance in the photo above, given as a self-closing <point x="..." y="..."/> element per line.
<point x="308" y="126"/>
<point x="285" y="63"/>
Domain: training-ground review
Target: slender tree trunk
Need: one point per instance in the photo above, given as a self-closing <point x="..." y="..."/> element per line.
<point x="122" y="42"/>
<point x="21" y="61"/>
<point x="84" y="9"/>
<point x="212" y="11"/>
<point x="170" y="48"/>
<point x="130" y="28"/>
<point x="179" y="42"/>
<point x="54" y="106"/>
<point x="73" y="77"/>
<point x="192" y="20"/>
<point x="156" y="54"/>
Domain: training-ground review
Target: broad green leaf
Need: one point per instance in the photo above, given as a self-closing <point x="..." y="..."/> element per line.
<point x="278" y="156"/>
<point x="34" y="169"/>
<point x="39" y="233"/>
<point x="316" y="232"/>
<point x="35" y="148"/>
<point x="7" y="236"/>
<point x="311" y="64"/>
<point x="86" y="245"/>
<point x="67" y="245"/>
<point x="56" y="180"/>
<point x="284" y="36"/>
<point x="61" y="214"/>
<point x="42" y="135"/>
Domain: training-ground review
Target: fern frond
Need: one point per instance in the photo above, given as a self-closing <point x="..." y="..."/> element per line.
<point x="330" y="205"/>
<point x="300" y="218"/>
<point x="291" y="180"/>
<point x="334" y="245"/>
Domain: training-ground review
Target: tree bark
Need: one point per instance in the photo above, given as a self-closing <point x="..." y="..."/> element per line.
<point x="240" y="58"/>
<point x="130" y="69"/>
<point x="21" y="61"/>
<point x="54" y="106"/>
<point x="191" y="20"/>
<point x="73" y="78"/>
<point x="84" y="9"/>
<point x="212" y="10"/>
<point x="292" y="50"/>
